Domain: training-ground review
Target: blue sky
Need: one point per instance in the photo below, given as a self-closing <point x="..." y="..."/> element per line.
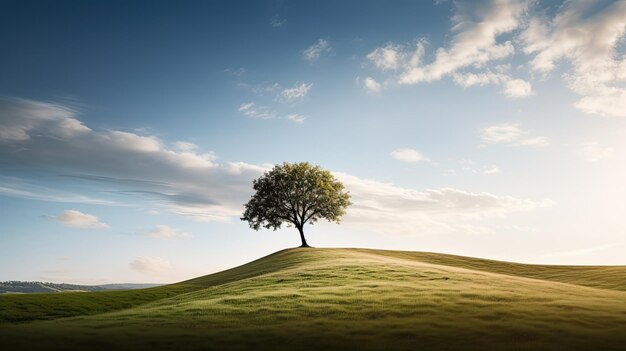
<point x="130" y="132"/>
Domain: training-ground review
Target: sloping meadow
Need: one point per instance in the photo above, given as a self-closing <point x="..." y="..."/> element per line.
<point x="311" y="299"/>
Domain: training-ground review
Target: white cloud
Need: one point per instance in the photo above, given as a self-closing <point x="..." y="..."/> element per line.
<point x="586" y="34"/>
<point x="371" y="85"/>
<point x="388" y="57"/>
<point x="124" y="164"/>
<point x="408" y="156"/>
<point x="132" y="141"/>
<point x="476" y="43"/>
<point x="151" y="264"/>
<point x="162" y="178"/>
<point x="491" y="170"/>
<point x="252" y="110"/>
<point x="467" y="80"/>
<point x="501" y="133"/>
<point x="184" y="146"/>
<point x="163" y="231"/>
<point x="386" y="195"/>
<point x="604" y="101"/>
<point x="242" y="168"/>
<point x="386" y="208"/>
<point x="594" y="151"/>
<point x="516" y="88"/>
<point x="295" y="94"/>
<point x="513" y="88"/>
<point x="77" y="219"/>
<point x="315" y="51"/>
<point x="296" y="118"/>
<point x="477" y="27"/>
<point x="510" y="134"/>
<point x="20" y="118"/>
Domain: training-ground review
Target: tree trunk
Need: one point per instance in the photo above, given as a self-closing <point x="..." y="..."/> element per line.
<point x="301" y="230"/>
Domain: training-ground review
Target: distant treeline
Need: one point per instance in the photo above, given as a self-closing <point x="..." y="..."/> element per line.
<point x="18" y="287"/>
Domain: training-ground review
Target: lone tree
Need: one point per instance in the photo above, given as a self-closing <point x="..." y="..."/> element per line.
<point x="295" y="193"/>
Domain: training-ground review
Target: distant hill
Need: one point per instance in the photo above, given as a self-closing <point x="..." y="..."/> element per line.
<point x="127" y="286"/>
<point x="19" y="287"/>
<point x="338" y="299"/>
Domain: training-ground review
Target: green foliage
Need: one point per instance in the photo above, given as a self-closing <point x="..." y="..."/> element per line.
<point x="359" y="299"/>
<point x="295" y="193"/>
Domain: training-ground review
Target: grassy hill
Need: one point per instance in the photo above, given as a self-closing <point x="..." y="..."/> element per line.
<point x="313" y="299"/>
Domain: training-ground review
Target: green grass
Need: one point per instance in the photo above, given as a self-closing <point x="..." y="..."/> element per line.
<point x="340" y="299"/>
<point x="29" y="307"/>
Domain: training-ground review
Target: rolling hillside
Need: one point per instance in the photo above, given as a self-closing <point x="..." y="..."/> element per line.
<point x="339" y="299"/>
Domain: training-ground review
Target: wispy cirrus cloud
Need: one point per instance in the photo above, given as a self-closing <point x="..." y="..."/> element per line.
<point x="477" y="42"/>
<point x="315" y="51"/>
<point x="191" y="183"/>
<point x="294" y="94"/>
<point x="512" y="88"/>
<point x="478" y="28"/>
<point x="288" y="97"/>
<point x="124" y="164"/>
<point x="296" y="118"/>
<point x="21" y="188"/>
<point x="253" y="110"/>
<point x="585" y="34"/>
<point x="20" y="117"/>
<point x="510" y="134"/>
<point x="487" y="37"/>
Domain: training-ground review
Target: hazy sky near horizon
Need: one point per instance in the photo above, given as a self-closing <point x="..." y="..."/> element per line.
<point x="130" y="132"/>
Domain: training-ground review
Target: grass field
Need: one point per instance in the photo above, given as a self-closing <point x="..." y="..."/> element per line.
<point x="340" y="299"/>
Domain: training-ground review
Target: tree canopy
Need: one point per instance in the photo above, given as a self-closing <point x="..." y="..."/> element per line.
<point x="296" y="194"/>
